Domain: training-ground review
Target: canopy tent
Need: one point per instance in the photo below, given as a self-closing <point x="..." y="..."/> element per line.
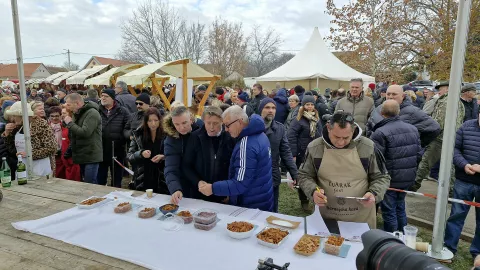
<point x="65" y="76"/>
<point x="180" y="68"/>
<point x="52" y="77"/>
<point x="81" y="76"/>
<point x="35" y="81"/>
<point x="109" y="77"/>
<point x="314" y="66"/>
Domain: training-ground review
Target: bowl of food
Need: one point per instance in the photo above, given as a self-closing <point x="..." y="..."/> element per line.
<point x="186" y="216"/>
<point x="147" y="212"/>
<point x="334" y="244"/>
<point x="205" y="216"/>
<point x="122" y="207"/>
<point x="240" y="229"/>
<point x="168" y="208"/>
<point x="272" y="237"/>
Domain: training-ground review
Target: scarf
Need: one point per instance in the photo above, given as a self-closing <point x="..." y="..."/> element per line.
<point x="313" y="119"/>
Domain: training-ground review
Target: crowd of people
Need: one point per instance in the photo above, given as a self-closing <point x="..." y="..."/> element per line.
<point x="344" y="143"/>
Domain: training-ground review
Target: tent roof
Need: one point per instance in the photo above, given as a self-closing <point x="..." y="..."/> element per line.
<point x="52" y="77"/>
<point x="68" y="74"/>
<point x="104" y="78"/>
<point x="81" y="76"/>
<point x="314" y="61"/>
<point x="139" y="76"/>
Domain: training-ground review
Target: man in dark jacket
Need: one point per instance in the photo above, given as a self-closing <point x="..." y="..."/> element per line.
<point x="281" y="102"/>
<point x="467" y="185"/>
<point x="178" y="125"/>
<point x="258" y="95"/>
<point x="114" y="118"/>
<point x="92" y="95"/>
<point x="86" y="135"/>
<point x="339" y="94"/>
<point x="279" y="146"/>
<point x="426" y="126"/>
<point x="242" y="101"/>
<point x="382" y="97"/>
<point x="136" y="119"/>
<point x="320" y="104"/>
<point x="399" y="143"/>
<point x="299" y="91"/>
<point x="125" y="99"/>
<point x="469" y="102"/>
<point x="208" y="152"/>
<point x="250" y="175"/>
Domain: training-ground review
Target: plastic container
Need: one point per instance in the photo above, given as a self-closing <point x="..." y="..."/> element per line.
<point x="334" y="249"/>
<point x="186" y="219"/>
<point x="175" y="208"/>
<point x="268" y="244"/>
<point x="205" y="227"/>
<point x="172" y="223"/>
<point x="205" y="216"/>
<point x="410" y="236"/>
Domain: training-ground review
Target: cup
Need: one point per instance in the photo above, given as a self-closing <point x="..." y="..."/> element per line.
<point x="410" y="236"/>
<point x="149" y="193"/>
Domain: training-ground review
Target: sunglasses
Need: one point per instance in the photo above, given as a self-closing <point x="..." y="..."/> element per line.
<point x="139" y="103"/>
<point x="342" y="116"/>
<point x="231" y="123"/>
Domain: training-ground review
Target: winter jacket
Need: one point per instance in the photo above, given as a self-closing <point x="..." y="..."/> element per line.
<point x="471" y="109"/>
<point x="440" y="112"/>
<point x="291" y="115"/>
<point x="201" y="162"/>
<point x="426" y="126"/>
<point x="333" y="104"/>
<point x="86" y="135"/>
<point x="127" y="100"/>
<point x="281" y="101"/>
<point x="247" y="109"/>
<point x="250" y="175"/>
<point x="360" y="107"/>
<point x="280" y="150"/>
<point x="72" y="170"/>
<point x="255" y="102"/>
<point x="399" y="142"/>
<point x="175" y="145"/>
<point x="429" y="105"/>
<point x="308" y="172"/>
<point x="467" y="149"/>
<point x="420" y="102"/>
<point x="11" y="158"/>
<point x="321" y="107"/>
<point x="300" y="96"/>
<point x="299" y="135"/>
<point x="134" y="122"/>
<point x="113" y="126"/>
<point x="379" y="101"/>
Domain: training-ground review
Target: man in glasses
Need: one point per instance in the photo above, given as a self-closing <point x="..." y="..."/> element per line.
<point x="342" y="164"/>
<point x="142" y="103"/>
<point x="356" y="103"/>
<point x="249" y="182"/>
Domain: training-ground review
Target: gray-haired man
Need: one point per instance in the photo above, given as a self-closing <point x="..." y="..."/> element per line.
<point x="123" y="97"/>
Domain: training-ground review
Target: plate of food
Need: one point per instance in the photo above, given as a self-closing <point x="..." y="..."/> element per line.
<point x="240" y="229"/>
<point x="147" y="212"/>
<point x="272" y="237"/>
<point x="122" y="207"/>
<point x="186" y="216"/>
<point x="93" y="202"/>
<point x="307" y="245"/>
<point x="168" y="208"/>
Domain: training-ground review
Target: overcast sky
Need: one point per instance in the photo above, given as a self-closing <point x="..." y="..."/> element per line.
<point x="92" y="27"/>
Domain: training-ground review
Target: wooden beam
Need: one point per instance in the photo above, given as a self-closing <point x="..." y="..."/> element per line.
<point x="160" y="92"/>
<point x="179" y="62"/>
<point x="185" y="90"/>
<point x="172" y="94"/>
<point x="207" y="93"/>
<point x="132" y="91"/>
<point x="206" y="78"/>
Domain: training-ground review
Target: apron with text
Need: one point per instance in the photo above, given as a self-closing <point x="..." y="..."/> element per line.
<point x="341" y="173"/>
<point x="41" y="167"/>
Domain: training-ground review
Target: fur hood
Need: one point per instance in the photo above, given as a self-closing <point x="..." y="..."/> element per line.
<point x="169" y="128"/>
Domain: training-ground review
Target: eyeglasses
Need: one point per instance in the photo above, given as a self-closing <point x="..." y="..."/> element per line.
<point x="231" y="123"/>
<point x="139" y="103"/>
<point x="342" y="116"/>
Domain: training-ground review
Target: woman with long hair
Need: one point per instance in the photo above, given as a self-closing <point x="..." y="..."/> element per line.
<point x="146" y="152"/>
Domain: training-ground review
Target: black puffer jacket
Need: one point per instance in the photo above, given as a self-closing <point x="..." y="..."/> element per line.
<point x="202" y="163"/>
<point x="299" y="135"/>
<point x="11" y="159"/>
<point x="247" y="109"/>
<point x="113" y="126"/>
<point x="255" y="102"/>
<point x="426" y="126"/>
<point x="134" y="122"/>
<point x="321" y="107"/>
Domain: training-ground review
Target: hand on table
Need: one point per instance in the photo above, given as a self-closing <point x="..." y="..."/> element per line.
<point x="157" y="158"/>
<point x="205" y="189"/>
<point x="319" y="197"/>
<point x="176" y="197"/>
<point x="371" y="200"/>
<point x="146" y="154"/>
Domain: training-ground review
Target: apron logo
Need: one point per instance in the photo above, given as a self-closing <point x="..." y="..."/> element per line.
<point x="341" y="201"/>
<point x="339" y="185"/>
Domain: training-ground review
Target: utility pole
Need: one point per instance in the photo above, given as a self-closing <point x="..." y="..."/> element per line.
<point x="68" y="54"/>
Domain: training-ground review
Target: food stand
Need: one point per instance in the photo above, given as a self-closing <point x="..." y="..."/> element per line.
<point x="110" y="77"/>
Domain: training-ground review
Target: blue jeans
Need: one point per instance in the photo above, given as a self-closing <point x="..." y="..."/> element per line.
<point x="89" y="172"/>
<point x="469" y="192"/>
<point x="393" y="211"/>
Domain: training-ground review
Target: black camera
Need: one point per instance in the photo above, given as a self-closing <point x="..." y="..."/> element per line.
<point x="382" y="251"/>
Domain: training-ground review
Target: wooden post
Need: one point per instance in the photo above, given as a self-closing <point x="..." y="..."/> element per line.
<point x="172" y="94"/>
<point x="185" y="90"/>
<point x="207" y="93"/>
<point x="160" y="92"/>
<point x="132" y="91"/>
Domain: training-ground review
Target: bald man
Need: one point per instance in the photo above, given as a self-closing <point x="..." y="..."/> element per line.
<point x="390" y="135"/>
<point x="426" y="126"/>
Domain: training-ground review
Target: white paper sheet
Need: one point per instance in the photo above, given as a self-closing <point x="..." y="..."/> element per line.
<point x="316" y="225"/>
<point x="352" y="230"/>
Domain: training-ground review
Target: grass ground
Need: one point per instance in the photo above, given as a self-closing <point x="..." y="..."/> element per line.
<point x="289" y="204"/>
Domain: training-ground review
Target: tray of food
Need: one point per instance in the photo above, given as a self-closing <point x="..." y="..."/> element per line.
<point x="168" y="208"/>
<point x="240" y="229"/>
<point x="272" y="237"/>
<point x="147" y="212"/>
<point x="334" y="244"/>
<point x="122" y="207"/>
<point x="93" y="202"/>
<point x="186" y="216"/>
<point x="307" y="245"/>
<point x="205" y="227"/>
<point x="205" y="216"/>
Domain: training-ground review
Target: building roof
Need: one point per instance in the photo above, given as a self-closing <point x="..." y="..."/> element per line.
<point x="54" y="69"/>
<point x="10" y="71"/>
<point x="109" y="61"/>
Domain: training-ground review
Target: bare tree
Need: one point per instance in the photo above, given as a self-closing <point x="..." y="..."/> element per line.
<point x="278" y="61"/>
<point x="156" y="32"/>
<point x="227" y="47"/>
<point x="71" y="66"/>
<point x="263" y="49"/>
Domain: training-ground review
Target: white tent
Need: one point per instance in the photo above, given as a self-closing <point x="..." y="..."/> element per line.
<point x="105" y="78"/>
<point x="314" y="66"/>
<point x="68" y="74"/>
<point x="52" y="77"/>
<point x="81" y="76"/>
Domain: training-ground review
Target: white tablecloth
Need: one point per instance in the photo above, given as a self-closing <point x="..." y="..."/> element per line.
<point x="144" y="242"/>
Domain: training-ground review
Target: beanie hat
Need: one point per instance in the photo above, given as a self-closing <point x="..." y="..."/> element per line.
<point x="219" y="91"/>
<point x="308" y="93"/>
<point x="264" y="102"/>
<point x="109" y="92"/>
<point x="201" y="87"/>
<point x="144" y="97"/>
<point x="7" y="103"/>
<point x="243" y="97"/>
<point x="372" y="86"/>
<point x="308" y="99"/>
<point x="299" y="89"/>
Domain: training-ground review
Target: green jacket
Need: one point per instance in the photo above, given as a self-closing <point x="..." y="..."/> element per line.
<point x="86" y="135"/>
<point x="307" y="174"/>
<point x="440" y="112"/>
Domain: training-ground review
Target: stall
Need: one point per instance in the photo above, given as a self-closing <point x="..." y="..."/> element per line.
<point x="87" y="73"/>
<point x="110" y="77"/>
<point x="58" y="81"/>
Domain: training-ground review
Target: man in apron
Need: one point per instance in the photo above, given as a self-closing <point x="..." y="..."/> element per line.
<point x="344" y="163"/>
